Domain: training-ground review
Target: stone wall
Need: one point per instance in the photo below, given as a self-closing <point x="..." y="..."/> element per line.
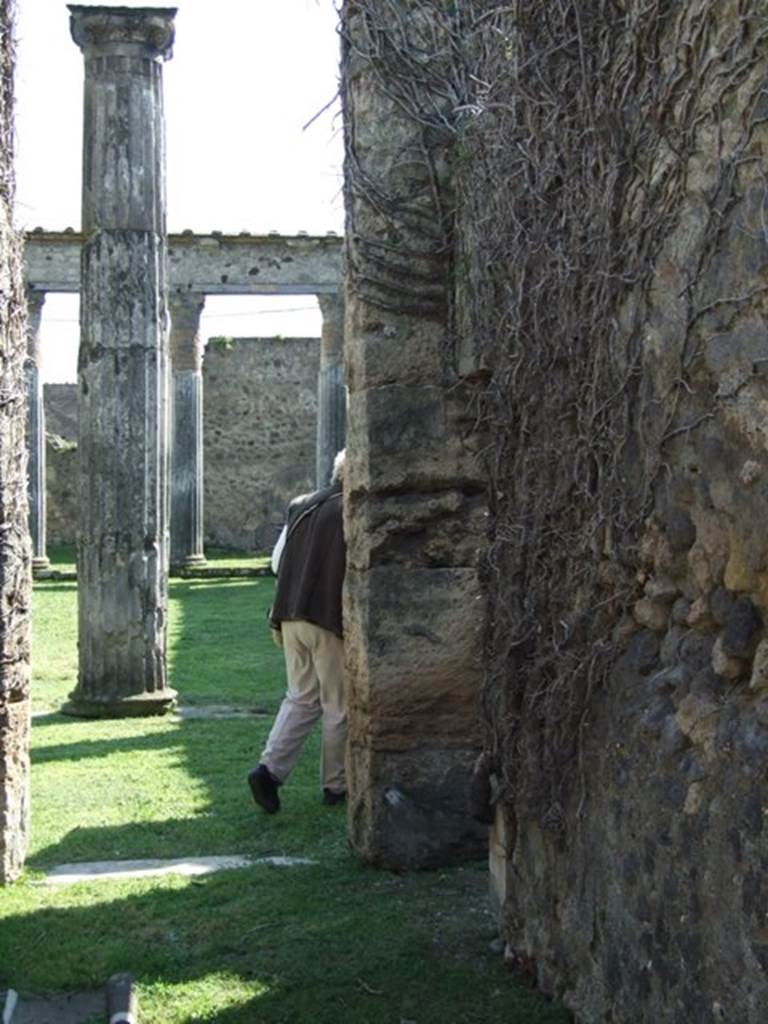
<point x="15" y="553"/>
<point x="260" y="428"/>
<point x="609" y="262"/>
<point x="61" y="475"/>
<point x="632" y="883"/>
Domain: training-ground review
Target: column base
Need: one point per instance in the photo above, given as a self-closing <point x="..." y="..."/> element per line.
<point x="40" y="564"/>
<point x="193" y="562"/>
<point x="137" y="705"/>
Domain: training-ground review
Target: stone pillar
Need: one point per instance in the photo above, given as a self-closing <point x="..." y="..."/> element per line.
<point x="331" y="390"/>
<point x="35" y="430"/>
<point x="15" y="576"/>
<point x="186" y="430"/>
<point x="414" y="493"/>
<point x="123" y="371"/>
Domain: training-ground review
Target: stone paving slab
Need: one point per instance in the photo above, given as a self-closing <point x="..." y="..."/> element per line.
<point x="204" y="711"/>
<point x="118" y="870"/>
<point x="220" y="711"/>
<point x="70" y="1008"/>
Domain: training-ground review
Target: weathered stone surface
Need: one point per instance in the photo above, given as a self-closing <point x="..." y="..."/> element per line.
<point x="61" y="476"/>
<point x="724" y="664"/>
<point x="759" y="678"/>
<point x="35" y="431"/>
<point x="408" y="812"/>
<point x="15" y="549"/>
<point x="680" y="529"/>
<point x="186" y="474"/>
<point x="742" y="627"/>
<point x="421" y="442"/>
<point x="439" y="529"/>
<point x="413" y="478"/>
<point x="259" y="421"/>
<point x="501" y="845"/>
<point x="661" y="589"/>
<point x="14" y="785"/>
<point x="215" y="264"/>
<point x="414" y="658"/>
<point x="260" y="433"/>
<point x="652" y="614"/>
<point x="123" y="366"/>
<point x="649" y="906"/>
<point x="331" y="389"/>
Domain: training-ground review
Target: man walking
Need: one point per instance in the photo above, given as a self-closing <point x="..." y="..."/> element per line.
<point x="309" y="560"/>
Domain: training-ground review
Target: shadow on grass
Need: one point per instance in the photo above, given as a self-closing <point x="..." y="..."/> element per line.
<point x="184" y="787"/>
<point x="219" y="645"/>
<point x="333" y="944"/>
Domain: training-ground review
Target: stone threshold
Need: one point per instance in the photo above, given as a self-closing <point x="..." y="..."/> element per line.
<point x="119" y="870"/>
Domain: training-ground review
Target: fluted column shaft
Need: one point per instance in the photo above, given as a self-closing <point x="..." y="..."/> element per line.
<point x="331" y="391"/>
<point x="123" y="365"/>
<point x="35" y="430"/>
<point x="186" y="430"/>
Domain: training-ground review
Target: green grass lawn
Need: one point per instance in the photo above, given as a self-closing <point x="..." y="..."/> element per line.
<point x="332" y="942"/>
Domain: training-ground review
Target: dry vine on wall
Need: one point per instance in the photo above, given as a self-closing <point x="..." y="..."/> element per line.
<point x="570" y="128"/>
<point x="14" y="540"/>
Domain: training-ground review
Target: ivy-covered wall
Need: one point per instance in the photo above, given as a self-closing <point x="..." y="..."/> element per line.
<point x="607" y="264"/>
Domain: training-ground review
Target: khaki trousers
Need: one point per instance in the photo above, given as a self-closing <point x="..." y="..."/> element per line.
<point x="314" y="663"/>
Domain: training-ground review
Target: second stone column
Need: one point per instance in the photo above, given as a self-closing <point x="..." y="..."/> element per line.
<point x="123" y="365"/>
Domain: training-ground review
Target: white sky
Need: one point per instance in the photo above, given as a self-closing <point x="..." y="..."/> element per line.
<point x="245" y="77"/>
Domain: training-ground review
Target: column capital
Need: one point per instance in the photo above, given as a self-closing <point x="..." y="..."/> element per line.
<point x="185" y="344"/>
<point x="135" y="31"/>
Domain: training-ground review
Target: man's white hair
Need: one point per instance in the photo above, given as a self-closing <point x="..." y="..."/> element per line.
<point x="339" y="465"/>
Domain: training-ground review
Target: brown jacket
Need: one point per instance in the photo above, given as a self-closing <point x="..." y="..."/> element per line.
<point x="313" y="562"/>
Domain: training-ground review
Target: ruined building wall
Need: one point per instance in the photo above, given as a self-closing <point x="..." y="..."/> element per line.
<point x="260" y="431"/>
<point x="260" y="428"/>
<point x="615" y="294"/>
<point x="598" y="173"/>
<point x="15" y="554"/>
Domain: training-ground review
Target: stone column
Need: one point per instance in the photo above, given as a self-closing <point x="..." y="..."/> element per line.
<point x="414" y="491"/>
<point x="331" y="391"/>
<point x="35" y="431"/>
<point x="186" y="430"/>
<point x="123" y="371"/>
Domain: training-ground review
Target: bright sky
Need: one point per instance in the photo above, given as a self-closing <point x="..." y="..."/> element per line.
<point x="245" y="77"/>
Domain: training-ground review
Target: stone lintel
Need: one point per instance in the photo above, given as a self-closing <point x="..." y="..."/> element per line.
<point x="217" y="264"/>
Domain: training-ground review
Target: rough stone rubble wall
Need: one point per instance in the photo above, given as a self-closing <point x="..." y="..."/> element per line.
<point x="260" y="427"/>
<point x="638" y="888"/>
<point x="15" y="576"/>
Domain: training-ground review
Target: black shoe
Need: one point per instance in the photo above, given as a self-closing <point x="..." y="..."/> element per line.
<point x="264" y="789"/>
<point x="330" y="799"/>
